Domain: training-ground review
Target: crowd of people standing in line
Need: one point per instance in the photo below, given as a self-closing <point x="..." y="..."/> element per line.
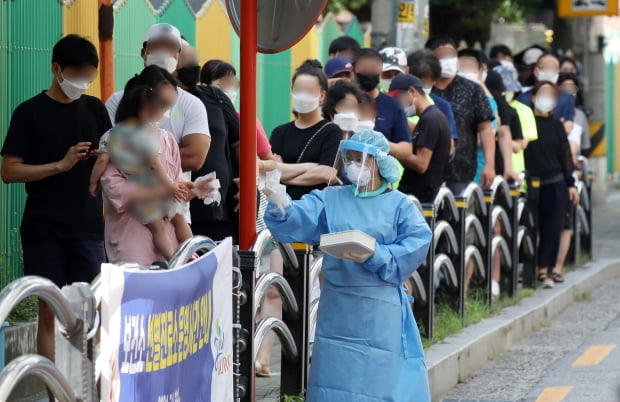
<point x="449" y="116"/>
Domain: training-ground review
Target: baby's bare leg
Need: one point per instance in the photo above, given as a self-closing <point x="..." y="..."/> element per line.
<point x="160" y="238"/>
<point x="181" y="228"/>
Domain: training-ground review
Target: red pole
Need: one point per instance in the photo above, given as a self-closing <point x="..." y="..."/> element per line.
<point x="247" y="196"/>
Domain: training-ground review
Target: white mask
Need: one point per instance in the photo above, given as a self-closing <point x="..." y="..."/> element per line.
<point x="346" y="121"/>
<point x="232" y="94"/>
<point x="545" y="104"/>
<point x="364" y="125"/>
<point x="485" y="73"/>
<point x="305" y="103"/>
<point x="411" y="109"/>
<point x="545" y="75"/>
<point x="448" y="67"/>
<point x="384" y="84"/>
<point x="73" y="89"/>
<point x="428" y="90"/>
<point x="509" y="95"/>
<point x="162" y="59"/>
<point x="164" y="119"/>
<point x="357" y="174"/>
<point x="469" y="75"/>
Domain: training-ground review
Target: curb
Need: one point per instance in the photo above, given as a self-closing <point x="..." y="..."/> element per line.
<point x="461" y="355"/>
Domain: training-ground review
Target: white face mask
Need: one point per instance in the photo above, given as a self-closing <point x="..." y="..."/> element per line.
<point x="73" y="89"/>
<point x="305" y="103"/>
<point x="469" y="75"/>
<point x="484" y="75"/>
<point x="448" y="67"/>
<point x="384" y="84"/>
<point x="546" y="75"/>
<point x="411" y="109"/>
<point x="232" y="94"/>
<point x="428" y="90"/>
<point x="162" y="59"/>
<point x="509" y="95"/>
<point x="164" y="119"/>
<point x="346" y="121"/>
<point x="357" y="174"/>
<point x="364" y="125"/>
<point x="544" y="104"/>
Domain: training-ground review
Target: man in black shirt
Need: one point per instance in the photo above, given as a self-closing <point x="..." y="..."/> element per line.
<point x="425" y="168"/>
<point x="214" y="221"/>
<point x="48" y="147"/>
<point x="473" y="116"/>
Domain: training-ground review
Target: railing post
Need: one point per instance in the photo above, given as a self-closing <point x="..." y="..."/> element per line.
<point x="245" y="335"/>
<point x="487" y="250"/>
<point x="295" y="373"/>
<point x="530" y="266"/>
<point x="586" y="238"/>
<point x="74" y="350"/>
<point x="425" y="314"/>
<point x="513" y="215"/>
<point x="463" y="207"/>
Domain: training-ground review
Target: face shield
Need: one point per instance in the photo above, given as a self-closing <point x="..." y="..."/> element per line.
<point x="357" y="165"/>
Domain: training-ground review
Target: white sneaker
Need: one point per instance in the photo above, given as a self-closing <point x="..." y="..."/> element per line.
<point x="548" y="283"/>
<point x="495" y="289"/>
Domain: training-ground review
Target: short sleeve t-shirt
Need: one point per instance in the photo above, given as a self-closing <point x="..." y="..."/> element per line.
<point x="528" y="129"/>
<point x="391" y="120"/>
<point x="431" y="132"/>
<point x="289" y="142"/>
<point x="42" y="131"/>
<point x="446" y="109"/>
<point x="471" y="107"/>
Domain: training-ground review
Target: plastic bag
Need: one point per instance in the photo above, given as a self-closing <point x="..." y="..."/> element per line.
<point x="207" y="188"/>
<point x="274" y="190"/>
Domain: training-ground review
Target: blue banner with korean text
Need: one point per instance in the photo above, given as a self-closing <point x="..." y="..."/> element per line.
<point x="167" y="335"/>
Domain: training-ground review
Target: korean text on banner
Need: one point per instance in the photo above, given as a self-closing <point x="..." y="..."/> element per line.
<point x="167" y="335"/>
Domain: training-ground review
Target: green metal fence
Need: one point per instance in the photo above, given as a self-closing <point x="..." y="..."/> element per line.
<point x="25" y="56"/>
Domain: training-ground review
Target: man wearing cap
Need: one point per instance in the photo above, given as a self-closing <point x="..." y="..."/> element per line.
<point x="394" y="64"/>
<point x="188" y="117"/>
<point x="425" y="167"/>
<point x="548" y="69"/>
<point x="338" y="68"/>
<point x="391" y="120"/>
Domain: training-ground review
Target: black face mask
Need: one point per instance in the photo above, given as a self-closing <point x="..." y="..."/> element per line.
<point x="367" y="82"/>
<point x="189" y="75"/>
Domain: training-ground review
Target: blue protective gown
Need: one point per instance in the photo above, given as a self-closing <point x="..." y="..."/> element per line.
<point x="367" y="345"/>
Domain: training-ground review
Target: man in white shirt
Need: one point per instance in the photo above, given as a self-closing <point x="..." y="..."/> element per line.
<point x="188" y="121"/>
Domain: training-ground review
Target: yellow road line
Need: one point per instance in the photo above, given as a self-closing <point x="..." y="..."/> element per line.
<point x="554" y="394"/>
<point x="593" y="355"/>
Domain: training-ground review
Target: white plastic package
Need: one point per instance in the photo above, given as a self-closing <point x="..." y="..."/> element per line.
<point x="274" y="190"/>
<point x="353" y="245"/>
<point x="207" y="188"/>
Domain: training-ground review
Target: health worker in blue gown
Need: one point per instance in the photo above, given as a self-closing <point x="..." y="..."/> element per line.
<point x="367" y="346"/>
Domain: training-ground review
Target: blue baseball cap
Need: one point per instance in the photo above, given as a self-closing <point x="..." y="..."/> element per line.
<point x="403" y="82"/>
<point x="337" y="65"/>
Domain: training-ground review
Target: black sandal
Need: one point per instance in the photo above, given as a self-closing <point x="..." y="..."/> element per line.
<point x="541" y="277"/>
<point x="557" y="278"/>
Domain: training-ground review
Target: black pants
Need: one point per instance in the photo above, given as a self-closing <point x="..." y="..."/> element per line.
<point x="552" y="214"/>
<point x="63" y="261"/>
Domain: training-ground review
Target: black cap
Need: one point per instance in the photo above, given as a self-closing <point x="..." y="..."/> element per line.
<point x="403" y="82"/>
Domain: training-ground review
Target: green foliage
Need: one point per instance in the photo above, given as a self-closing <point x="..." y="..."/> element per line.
<point x="509" y="11"/>
<point x="295" y="398"/>
<point x="336" y="6"/>
<point x="25" y="311"/>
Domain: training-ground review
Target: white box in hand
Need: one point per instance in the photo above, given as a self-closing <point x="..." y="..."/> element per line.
<point x="339" y="243"/>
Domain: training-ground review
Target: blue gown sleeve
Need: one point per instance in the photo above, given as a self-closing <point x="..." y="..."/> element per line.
<point x="395" y="262"/>
<point x="303" y="221"/>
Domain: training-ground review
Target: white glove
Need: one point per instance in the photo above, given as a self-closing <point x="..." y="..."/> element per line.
<point x="207" y="188"/>
<point x="274" y="191"/>
<point x="356" y="257"/>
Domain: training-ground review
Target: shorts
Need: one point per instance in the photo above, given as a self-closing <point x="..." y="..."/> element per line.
<point x="63" y="261"/>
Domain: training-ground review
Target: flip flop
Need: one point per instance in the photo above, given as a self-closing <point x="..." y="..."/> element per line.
<point x="262" y="371"/>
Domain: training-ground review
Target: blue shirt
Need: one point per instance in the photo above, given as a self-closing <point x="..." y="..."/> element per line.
<point x="564" y="110"/>
<point x="446" y="109"/>
<point x="391" y="120"/>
